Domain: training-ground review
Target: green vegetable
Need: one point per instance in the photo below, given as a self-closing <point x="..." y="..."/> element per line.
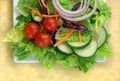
<point x="15" y="34"/>
<point x="81" y="63"/>
<point x="74" y="37"/>
<point x="86" y="63"/>
<point x="18" y="49"/>
<point x="104" y="51"/>
<point x="25" y="48"/>
<point x="69" y="61"/>
<point x="67" y="4"/>
<point x="51" y="7"/>
<point x="22" y="6"/>
<point x="25" y="19"/>
<point x="98" y="19"/>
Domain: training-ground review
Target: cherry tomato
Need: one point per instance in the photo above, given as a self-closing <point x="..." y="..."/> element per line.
<point x="50" y="24"/>
<point x="31" y="30"/>
<point x="43" y="40"/>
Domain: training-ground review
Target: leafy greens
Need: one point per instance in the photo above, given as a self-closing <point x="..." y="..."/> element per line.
<point x="22" y="48"/>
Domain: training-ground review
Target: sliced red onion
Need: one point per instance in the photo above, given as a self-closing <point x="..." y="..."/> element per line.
<point x="74" y="27"/>
<point x="76" y="6"/>
<point x="68" y="13"/>
<point x="83" y="17"/>
<point x="81" y="4"/>
<point x="42" y="8"/>
<point x="73" y="15"/>
<point x="80" y="11"/>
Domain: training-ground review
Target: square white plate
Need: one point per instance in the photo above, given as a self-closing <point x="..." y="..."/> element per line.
<point x="31" y="59"/>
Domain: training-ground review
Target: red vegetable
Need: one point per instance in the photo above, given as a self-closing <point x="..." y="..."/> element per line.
<point x="50" y="24"/>
<point x="31" y="30"/>
<point x="43" y="40"/>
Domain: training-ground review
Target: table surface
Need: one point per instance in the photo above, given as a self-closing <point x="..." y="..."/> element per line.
<point x="10" y="71"/>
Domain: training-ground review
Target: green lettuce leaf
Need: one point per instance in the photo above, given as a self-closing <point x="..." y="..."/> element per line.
<point x="45" y="56"/>
<point x="86" y="63"/>
<point x="18" y="49"/>
<point x="15" y="34"/>
<point x="22" y="6"/>
<point x="81" y="63"/>
<point x="66" y="4"/>
<point x="69" y="62"/>
<point x="98" y="19"/>
<point x="74" y="36"/>
<point x="22" y="18"/>
<point x="51" y="7"/>
<point x="104" y="51"/>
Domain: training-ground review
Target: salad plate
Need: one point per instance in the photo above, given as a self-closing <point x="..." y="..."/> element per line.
<point x="15" y="14"/>
<point x="50" y="31"/>
<point x="31" y="59"/>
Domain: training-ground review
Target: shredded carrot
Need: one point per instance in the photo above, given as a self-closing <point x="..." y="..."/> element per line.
<point x="56" y="14"/>
<point x="94" y="38"/>
<point x="49" y="15"/>
<point x="43" y="3"/>
<point x="79" y="36"/>
<point x="73" y="55"/>
<point x="63" y="39"/>
<point x="36" y="12"/>
<point x="62" y="35"/>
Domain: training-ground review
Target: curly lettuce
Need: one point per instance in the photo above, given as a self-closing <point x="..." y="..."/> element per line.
<point x="99" y="18"/>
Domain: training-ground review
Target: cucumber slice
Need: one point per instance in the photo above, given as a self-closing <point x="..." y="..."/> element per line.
<point x="79" y="45"/>
<point x="102" y="36"/>
<point x="88" y="50"/>
<point x="64" y="48"/>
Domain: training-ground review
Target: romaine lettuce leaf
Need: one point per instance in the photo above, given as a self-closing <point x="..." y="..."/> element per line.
<point x="27" y="19"/>
<point x="51" y="7"/>
<point x="45" y="56"/>
<point x="69" y="61"/>
<point x="15" y="34"/>
<point x="18" y="49"/>
<point x="81" y="63"/>
<point x="22" y="6"/>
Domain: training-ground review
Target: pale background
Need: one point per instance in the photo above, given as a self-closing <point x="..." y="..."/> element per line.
<point x="10" y="71"/>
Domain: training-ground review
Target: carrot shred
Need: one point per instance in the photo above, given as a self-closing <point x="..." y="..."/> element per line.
<point x="94" y="38"/>
<point x="73" y="55"/>
<point x="49" y="15"/>
<point x="63" y="39"/>
<point x="56" y="14"/>
<point x="36" y="12"/>
<point x="62" y="35"/>
<point x="43" y="3"/>
<point x="79" y="36"/>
